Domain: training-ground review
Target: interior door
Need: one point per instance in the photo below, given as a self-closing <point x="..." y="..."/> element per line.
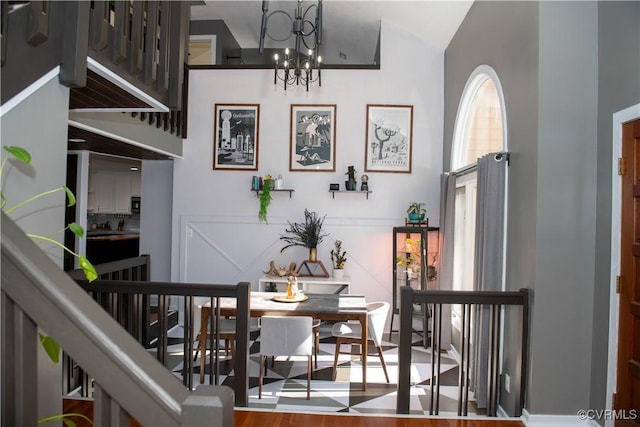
<point x="627" y="399"/>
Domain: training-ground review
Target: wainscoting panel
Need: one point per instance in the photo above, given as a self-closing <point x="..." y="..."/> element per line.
<point x="216" y="249"/>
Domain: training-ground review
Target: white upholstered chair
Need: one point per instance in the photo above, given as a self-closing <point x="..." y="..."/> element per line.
<point x="351" y="333"/>
<point x="285" y="336"/>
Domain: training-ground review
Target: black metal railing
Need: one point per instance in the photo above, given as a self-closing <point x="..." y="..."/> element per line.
<point x="471" y="302"/>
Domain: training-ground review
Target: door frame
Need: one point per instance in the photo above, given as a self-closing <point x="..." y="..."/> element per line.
<point x="619" y="118"/>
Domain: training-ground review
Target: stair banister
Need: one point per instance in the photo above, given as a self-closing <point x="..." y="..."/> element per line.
<point x="124" y="371"/>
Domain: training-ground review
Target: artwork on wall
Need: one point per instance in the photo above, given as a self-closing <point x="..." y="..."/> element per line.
<point x="235" y="142"/>
<point x="389" y="138"/>
<point x="313" y="138"/>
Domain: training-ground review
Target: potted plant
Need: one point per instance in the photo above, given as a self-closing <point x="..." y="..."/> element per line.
<point x="416" y="212"/>
<point x="265" y="201"/>
<point x="350" y="184"/>
<point x="308" y="234"/>
<point x="338" y="259"/>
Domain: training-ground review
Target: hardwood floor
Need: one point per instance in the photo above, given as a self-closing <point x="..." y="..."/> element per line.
<point x="257" y="418"/>
<point x="245" y="418"/>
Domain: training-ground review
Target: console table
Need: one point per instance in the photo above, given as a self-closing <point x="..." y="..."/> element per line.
<point x="319" y="285"/>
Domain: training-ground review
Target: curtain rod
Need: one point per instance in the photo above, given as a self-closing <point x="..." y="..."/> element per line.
<point x="470" y="168"/>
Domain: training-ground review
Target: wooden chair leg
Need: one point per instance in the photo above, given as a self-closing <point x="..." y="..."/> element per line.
<point x="335" y="358"/>
<point x="384" y="365"/>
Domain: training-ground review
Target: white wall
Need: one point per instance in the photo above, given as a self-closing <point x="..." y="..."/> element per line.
<point x="216" y="233"/>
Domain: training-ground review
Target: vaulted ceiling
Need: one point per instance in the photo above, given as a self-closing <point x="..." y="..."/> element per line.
<point x="350" y="28"/>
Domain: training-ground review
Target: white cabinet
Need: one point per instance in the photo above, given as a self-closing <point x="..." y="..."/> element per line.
<point x="111" y="192"/>
<point x="136" y="184"/>
<point x="104" y="189"/>
<point x="122" y="194"/>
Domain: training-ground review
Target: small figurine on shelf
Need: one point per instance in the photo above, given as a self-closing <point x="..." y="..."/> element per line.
<point x="365" y="183"/>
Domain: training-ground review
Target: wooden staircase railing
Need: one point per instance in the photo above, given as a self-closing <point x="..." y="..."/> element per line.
<point x="128" y="381"/>
<point x="143" y="42"/>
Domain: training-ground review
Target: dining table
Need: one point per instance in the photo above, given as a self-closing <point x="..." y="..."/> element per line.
<point x="325" y="307"/>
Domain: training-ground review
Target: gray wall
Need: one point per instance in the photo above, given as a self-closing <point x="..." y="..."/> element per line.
<point x="565" y="67"/>
<point x="155" y="216"/>
<point x="504" y="36"/>
<point x="618" y="88"/>
<point x="39" y="124"/>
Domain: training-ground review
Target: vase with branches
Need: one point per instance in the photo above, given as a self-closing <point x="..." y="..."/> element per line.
<point x="307" y="234"/>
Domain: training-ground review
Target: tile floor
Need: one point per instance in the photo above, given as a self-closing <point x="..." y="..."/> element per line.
<point x="285" y="384"/>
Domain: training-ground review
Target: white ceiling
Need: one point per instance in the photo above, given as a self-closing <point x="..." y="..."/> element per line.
<point x="350" y="27"/>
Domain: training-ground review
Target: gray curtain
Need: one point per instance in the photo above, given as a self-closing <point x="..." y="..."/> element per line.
<point x="489" y="259"/>
<point x="447" y="220"/>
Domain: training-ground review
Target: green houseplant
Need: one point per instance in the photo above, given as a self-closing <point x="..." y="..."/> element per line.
<point x="308" y="233"/>
<point x="265" y="201"/>
<point x="338" y="259"/>
<point x="416" y="212"/>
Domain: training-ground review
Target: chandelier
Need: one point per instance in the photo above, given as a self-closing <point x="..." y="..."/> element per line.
<point x="297" y="67"/>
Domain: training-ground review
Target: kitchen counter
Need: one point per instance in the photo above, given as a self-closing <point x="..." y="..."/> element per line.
<point x="109" y="245"/>
<point x="113" y="237"/>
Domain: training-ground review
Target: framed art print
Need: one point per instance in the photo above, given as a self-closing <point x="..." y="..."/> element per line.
<point x="312" y="144"/>
<point x="389" y="138"/>
<point x="235" y="143"/>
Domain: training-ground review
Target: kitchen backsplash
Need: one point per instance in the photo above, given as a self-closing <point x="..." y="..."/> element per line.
<point x="112" y="222"/>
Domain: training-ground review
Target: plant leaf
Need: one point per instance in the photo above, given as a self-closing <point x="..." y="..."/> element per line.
<point x="19" y="153"/>
<point x="76" y="229"/>
<point x="88" y="269"/>
<point x="51" y="347"/>
<point x="70" y="196"/>
<point x="3" y="200"/>
<point x="65" y="419"/>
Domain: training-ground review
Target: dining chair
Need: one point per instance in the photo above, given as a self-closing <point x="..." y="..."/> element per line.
<point x="351" y="333"/>
<point x="316" y="341"/>
<point x="285" y="336"/>
<point x="226" y="328"/>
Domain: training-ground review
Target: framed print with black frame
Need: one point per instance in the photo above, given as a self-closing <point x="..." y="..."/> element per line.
<point x="389" y="138"/>
<point x="312" y="144"/>
<point x="235" y="143"/>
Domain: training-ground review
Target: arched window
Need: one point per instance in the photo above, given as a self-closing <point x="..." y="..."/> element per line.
<point x="480" y="125"/>
<point x="480" y="129"/>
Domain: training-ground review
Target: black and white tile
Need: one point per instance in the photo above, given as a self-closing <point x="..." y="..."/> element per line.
<point x="285" y="383"/>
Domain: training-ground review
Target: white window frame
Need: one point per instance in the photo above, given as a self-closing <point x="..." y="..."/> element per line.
<point x="461" y="130"/>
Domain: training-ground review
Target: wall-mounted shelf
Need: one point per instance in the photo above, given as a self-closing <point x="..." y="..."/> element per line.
<point x="351" y="192"/>
<point x="273" y="190"/>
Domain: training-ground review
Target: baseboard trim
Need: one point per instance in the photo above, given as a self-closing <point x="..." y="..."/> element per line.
<point x="535" y="420"/>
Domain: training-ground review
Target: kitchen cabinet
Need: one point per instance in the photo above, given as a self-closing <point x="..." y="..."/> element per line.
<point x="111" y="192"/>
<point x="122" y="193"/>
<point x="136" y="185"/>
